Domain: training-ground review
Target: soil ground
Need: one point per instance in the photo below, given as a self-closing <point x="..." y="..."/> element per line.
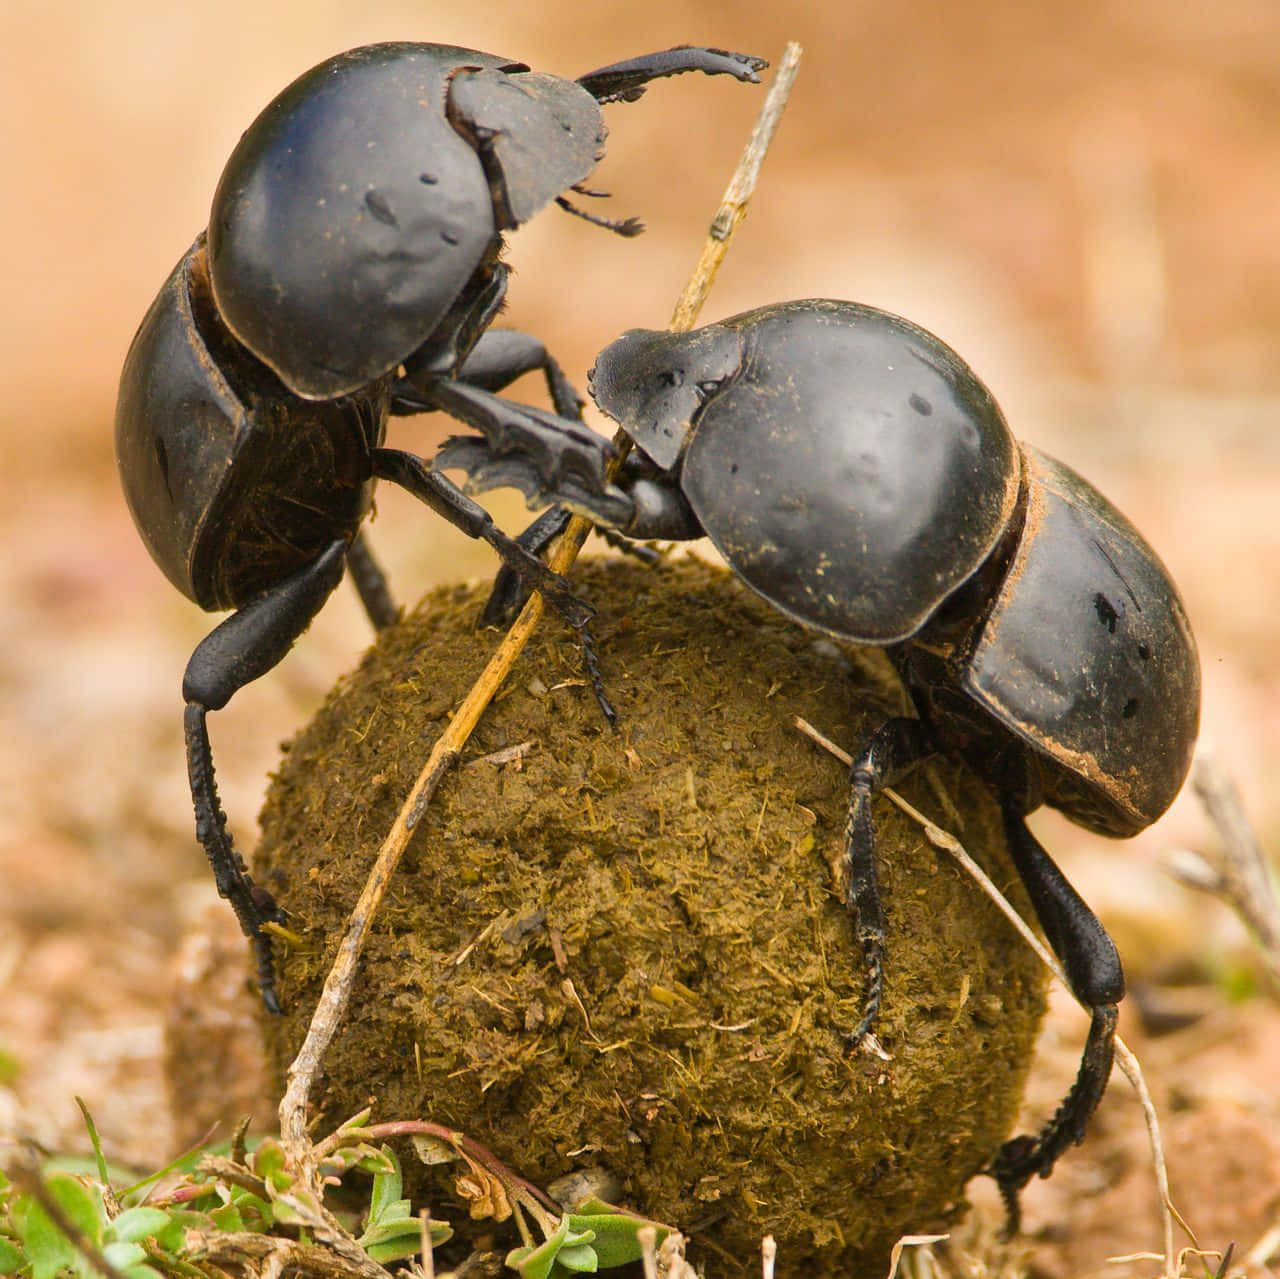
<point x="1081" y="199"/>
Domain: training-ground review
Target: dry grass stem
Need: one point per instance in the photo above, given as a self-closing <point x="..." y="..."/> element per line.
<point x="1237" y="872"/>
<point x="910" y="1241"/>
<point x="242" y="1252"/>
<point x="647" y="1237"/>
<point x="508" y="755"/>
<point x="428" y="1263"/>
<point x="1125" y="1057"/>
<point x="337" y="988"/>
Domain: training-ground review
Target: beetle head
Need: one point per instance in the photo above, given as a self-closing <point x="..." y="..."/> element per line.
<point x="536" y="135"/>
<point x="654" y="383"/>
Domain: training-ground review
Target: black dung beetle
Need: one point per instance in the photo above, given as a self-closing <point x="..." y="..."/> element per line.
<point x="351" y="270"/>
<point x="854" y="472"/>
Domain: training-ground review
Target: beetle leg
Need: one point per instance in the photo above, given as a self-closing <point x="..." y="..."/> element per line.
<point x="487" y="470"/>
<point x="561" y="449"/>
<point x="239" y="650"/>
<point x="660" y="509"/>
<point x="1096" y="979"/>
<point x="509" y="592"/>
<point x="371" y="583"/>
<point x="446" y="499"/>
<point x="895" y="747"/>
<point x="626" y="81"/>
<point x="502" y="355"/>
<point x="496" y="360"/>
<point x="641" y="502"/>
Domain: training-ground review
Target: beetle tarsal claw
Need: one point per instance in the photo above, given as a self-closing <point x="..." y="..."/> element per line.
<point x="485" y="470"/>
<point x="556" y="449"/>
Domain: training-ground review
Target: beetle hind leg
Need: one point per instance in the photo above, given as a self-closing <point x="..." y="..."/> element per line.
<point x="254" y="907"/>
<point x="895" y="747"/>
<point x="236" y="652"/>
<point x="1096" y="979"/>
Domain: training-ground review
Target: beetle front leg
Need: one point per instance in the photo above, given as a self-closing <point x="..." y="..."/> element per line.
<point x="247" y="645"/>
<point x="509" y="592"/>
<point x="895" y="747"/>
<point x="562" y="452"/>
<point x="502" y="355"/>
<point x="626" y="81"/>
<point x="1096" y="978"/>
<point x="640" y="502"/>
<point x="496" y="360"/>
<point x="446" y="499"/>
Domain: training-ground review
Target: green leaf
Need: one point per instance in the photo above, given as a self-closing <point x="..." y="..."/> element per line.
<point x="228" y="1218"/>
<point x="614" y="1235"/>
<point x="82" y="1205"/>
<point x="579" y="1259"/>
<point x="269" y="1164"/>
<point x="11" y="1259"/>
<point x="386" y="1190"/>
<point x="48" y="1249"/>
<point x="395" y="1240"/>
<point x="536" y="1262"/>
<point x="368" y="1158"/>
<point x="99" y="1158"/>
<point x="256" y="1211"/>
<point x="123" y="1254"/>
<point x="545" y="1260"/>
<point x="138" y="1223"/>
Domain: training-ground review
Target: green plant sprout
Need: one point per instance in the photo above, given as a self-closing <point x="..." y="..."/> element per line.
<point x="231" y="1206"/>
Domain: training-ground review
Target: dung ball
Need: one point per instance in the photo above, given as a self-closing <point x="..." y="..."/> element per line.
<point x="629" y="949"/>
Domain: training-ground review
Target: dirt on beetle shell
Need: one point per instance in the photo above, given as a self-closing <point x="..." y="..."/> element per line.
<point x="629" y="949"/>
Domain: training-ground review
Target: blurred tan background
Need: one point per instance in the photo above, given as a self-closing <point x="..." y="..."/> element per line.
<point x="1082" y="199"/>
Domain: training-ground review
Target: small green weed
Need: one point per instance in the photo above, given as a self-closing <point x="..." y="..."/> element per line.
<point x="235" y="1209"/>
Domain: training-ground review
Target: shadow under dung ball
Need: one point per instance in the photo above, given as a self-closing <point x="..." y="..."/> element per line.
<point x="630" y="949"/>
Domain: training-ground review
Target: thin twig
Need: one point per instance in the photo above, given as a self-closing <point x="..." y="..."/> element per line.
<point x="1237" y="872"/>
<point x="338" y="984"/>
<point x="1125" y="1057"/>
<point x="243" y="1252"/>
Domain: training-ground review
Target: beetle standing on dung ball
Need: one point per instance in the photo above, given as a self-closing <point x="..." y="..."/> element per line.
<point x="350" y="271"/>
<point x="857" y="475"/>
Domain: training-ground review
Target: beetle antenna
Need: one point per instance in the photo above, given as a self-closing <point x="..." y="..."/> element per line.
<point x="626" y="226"/>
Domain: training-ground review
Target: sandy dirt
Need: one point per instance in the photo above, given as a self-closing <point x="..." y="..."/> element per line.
<point x="1082" y="200"/>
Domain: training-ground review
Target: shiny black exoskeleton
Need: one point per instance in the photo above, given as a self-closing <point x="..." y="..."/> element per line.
<point x="351" y="270"/>
<point x="855" y="473"/>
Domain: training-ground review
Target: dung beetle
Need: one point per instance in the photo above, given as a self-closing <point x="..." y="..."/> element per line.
<point x="350" y="271"/>
<point x="856" y="474"/>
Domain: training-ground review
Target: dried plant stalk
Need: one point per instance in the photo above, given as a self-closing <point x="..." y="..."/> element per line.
<point x="1237" y="872"/>
<point x="337" y="988"/>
